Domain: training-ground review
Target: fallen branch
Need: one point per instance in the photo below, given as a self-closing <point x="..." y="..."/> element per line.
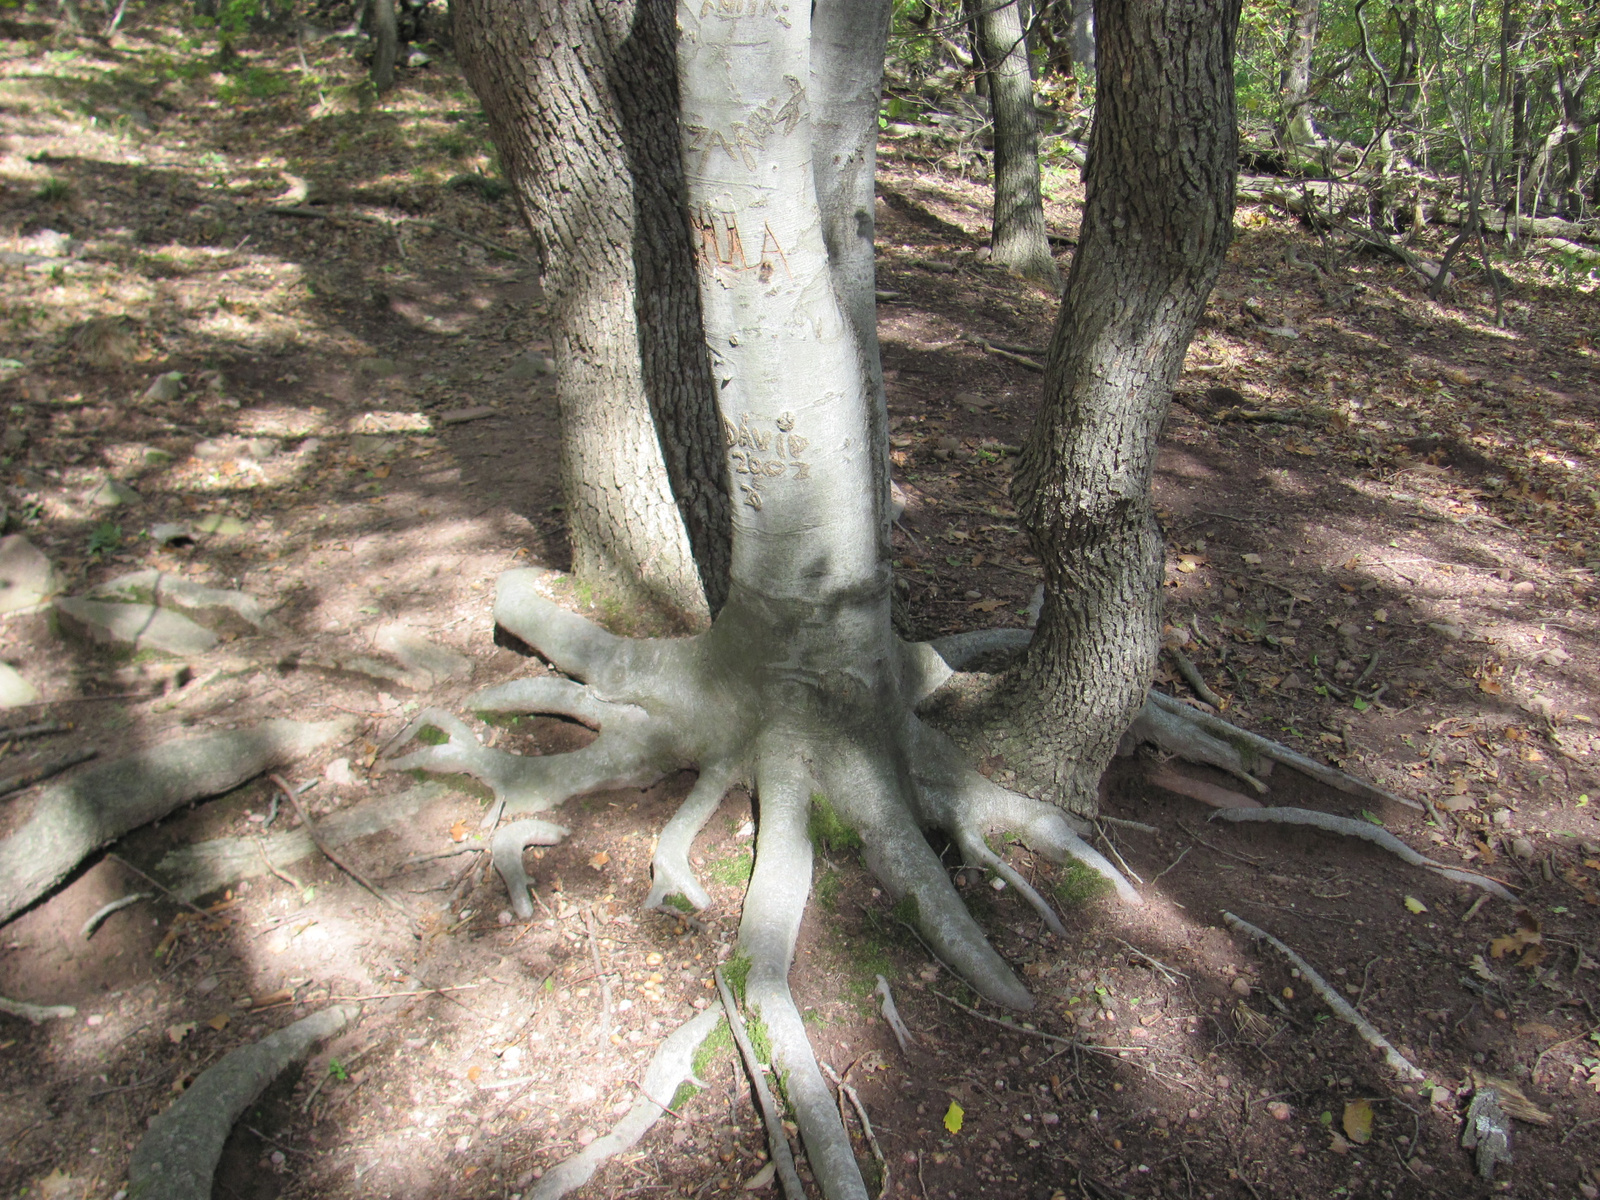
<point x="16" y="733"/>
<point x="178" y="1156"/>
<point x="36" y="1013"/>
<point x="1367" y="832"/>
<point x="777" y="1139"/>
<point x="1341" y="1007"/>
<point x="73" y="819"/>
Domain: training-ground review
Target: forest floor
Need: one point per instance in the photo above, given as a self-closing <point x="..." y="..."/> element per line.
<point x="1382" y="548"/>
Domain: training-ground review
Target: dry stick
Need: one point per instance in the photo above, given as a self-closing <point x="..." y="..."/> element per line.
<point x="317" y="840"/>
<point x="776" y="1138"/>
<point x="299" y="887"/>
<point x="1020" y="1031"/>
<point x="604" y="1033"/>
<point x="100" y="915"/>
<point x="1120" y="860"/>
<point x="1341" y="1007"/>
<point x="15" y="783"/>
<point x="1172" y="974"/>
<point x="190" y="905"/>
<point x="891" y="1014"/>
<point x="866" y="1126"/>
<point x="1191" y="673"/>
<point x="1121" y="823"/>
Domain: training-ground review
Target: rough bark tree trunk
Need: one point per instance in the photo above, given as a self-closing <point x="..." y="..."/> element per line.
<point x="1018" y="237"/>
<point x="582" y="100"/>
<point x="1157" y="220"/>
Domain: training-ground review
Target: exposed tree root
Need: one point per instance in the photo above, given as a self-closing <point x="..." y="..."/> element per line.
<point x="1367" y="832"/>
<point x="1201" y="737"/>
<point x="75" y="818"/>
<point x="671" y="1066"/>
<point x="178" y="1155"/>
<point x="507" y="847"/>
<point x="1400" y="1063"/>
<point x="777" y="1139"/>
<point x="867" y="764"/>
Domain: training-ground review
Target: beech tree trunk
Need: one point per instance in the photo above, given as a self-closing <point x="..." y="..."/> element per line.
<point x="1018" y="237"/>
<point x="1157" y="220"/>
<point x="582" y="101"/>
<point x="1298" y="129"/>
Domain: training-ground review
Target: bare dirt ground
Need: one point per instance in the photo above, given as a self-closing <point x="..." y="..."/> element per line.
<point x="1382" y="549"/>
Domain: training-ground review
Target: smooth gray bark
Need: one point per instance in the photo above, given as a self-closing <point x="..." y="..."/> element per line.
<point x="1298" y="129"/>
<point x="1017" y="239"/>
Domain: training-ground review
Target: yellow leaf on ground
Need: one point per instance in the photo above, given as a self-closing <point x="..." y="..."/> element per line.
<point x="953" y="1117"/>
<point x="1358" y="1121"/>
<point x="219" y="1022"/>
<point x="1415" y="905"/>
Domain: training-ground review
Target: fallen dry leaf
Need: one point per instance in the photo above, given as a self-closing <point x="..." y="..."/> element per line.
<point x="176" y="1033"/>
<point x="1358" y="1121"/>
<point x="458" y="832"/>
<point x="219" y="1022"/>
<point x="473" y="1073"/>
<point x="599" y="860"/>
<point x="986" y="606"/>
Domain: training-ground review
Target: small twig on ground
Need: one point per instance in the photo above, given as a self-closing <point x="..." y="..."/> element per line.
<point x="418" y="859"/>
<point x="891" y="1014"/>
<point x="1191" y="673"/>
<point x="604" y="1034"/>
<point x="866" y="1126"/>
<point x="23" y="779"/>
<point x="1341" y="1007"/>
<point x="1021" y="1031"/>
<point x="1120" y="860"/>
<point x="190" y="905"/>
<point x="1172" y="864"/>
<point x="777" y="1140"/>
<point x="1172" y="974"/>
<point x="327" y="851"/>
<point x="101" y="914"/>
<point x="1372" y="665"/>
<point x="299" y="887"/>
<point x="1244" y="858"/>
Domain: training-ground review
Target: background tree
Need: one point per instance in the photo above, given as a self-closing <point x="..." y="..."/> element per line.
<point x="1017" y="239"/>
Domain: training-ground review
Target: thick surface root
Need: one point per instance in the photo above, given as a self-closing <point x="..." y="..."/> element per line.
<point x="851" y="746"/>
<point x="179" y="1154"/>
<point x="73" y="819"/>
<point x="1367" y="832"/>
<point x="1201" y="737"/>
<point x="671" y="1066"/>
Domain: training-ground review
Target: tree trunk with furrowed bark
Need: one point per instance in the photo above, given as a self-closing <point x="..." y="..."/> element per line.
<point x="582" y="101"/>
